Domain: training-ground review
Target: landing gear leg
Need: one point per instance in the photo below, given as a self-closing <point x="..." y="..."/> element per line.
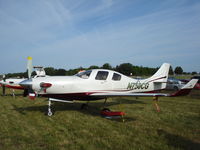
<point x="49" y="109"/>
<point x="104" y="104"/>
<point x="3" y="90"/>
<point x="13" y="93"/>
<point x="155" y="99"/>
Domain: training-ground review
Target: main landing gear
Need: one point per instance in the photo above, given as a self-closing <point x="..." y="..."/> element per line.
<point x="85" y="106"/>
<point x="155" y="100"/>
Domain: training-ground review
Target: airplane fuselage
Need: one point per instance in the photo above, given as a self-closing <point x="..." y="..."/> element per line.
<point x="99" y="80"/>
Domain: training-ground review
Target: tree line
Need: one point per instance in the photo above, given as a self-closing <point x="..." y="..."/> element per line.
<point x="124" y="68"/>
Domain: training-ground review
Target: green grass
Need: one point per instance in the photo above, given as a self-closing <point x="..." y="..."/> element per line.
<point x="24" y="125"/>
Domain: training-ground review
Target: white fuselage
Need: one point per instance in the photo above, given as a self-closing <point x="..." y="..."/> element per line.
<point x="73" y="86"/>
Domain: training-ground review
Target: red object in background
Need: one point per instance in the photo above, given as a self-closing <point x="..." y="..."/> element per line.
<point x="197" y="86"/>
<point x="32" y="96"/>
<point x="112" y="113"/>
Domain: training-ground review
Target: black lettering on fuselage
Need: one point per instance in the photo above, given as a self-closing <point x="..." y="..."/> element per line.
<point x="137" y="85"/>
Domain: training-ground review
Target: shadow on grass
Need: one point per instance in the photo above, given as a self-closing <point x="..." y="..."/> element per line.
<point x="11" y="95"/>
<point x="179" y="142"/>
<point x="93" y="109"/>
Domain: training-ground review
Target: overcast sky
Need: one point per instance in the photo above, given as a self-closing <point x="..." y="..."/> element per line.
<point x="73" y="33"/>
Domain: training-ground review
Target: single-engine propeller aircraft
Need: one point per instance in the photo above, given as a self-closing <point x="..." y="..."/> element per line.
<point x="13" y="83"/>
<point x="100" y="84"/>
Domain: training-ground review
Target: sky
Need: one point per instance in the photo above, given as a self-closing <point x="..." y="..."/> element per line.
<point x="68" y="34"/>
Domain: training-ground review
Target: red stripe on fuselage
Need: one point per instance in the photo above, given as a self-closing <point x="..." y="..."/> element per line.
<point x="14" y="87"/>
<point x="158" y="79"/>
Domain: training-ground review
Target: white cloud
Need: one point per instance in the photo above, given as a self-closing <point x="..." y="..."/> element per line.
<point x="55" y="33"/>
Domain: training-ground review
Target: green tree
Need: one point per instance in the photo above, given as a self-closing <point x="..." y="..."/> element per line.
<point x="50" y="71"/>
<point x="93" y="67"/>
<point x="125" y="68"/>
<point x="178" y="70"/>
<point x="60" y="72"/>
<point x="194" y="72"/>
<point x="107" y="66"/>
<point x="171" y="72"/>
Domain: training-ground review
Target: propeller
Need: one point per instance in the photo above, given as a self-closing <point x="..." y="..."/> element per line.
<point x="29" y="67"/>
<point x="27" y="84"/>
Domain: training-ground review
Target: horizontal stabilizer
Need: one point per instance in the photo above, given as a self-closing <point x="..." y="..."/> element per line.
<point x="185" y="90"/>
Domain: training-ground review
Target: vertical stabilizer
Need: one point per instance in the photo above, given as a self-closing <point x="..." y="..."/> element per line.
<point x="162" y="74"/>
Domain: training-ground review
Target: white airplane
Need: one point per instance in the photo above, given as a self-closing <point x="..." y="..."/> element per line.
<point x="13" y="83"/>
<point x="100" y="84"/>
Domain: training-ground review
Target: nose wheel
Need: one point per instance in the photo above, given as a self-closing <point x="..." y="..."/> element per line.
<point x="49" y="113"/>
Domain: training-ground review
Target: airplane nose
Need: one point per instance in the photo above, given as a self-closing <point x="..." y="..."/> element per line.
<point x="26" y="83"/>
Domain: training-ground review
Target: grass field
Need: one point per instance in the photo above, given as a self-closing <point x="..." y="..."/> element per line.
<point x="24" y="125"/>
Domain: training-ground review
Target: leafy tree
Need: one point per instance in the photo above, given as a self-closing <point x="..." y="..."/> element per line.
<point x="60" y="72"/>
<point x="178" y="70"/>
<point x="125" y="68"/>
<point x="93" y="67"/>
<point x="107" y="66"/>
<point x="50" y="71"/>
<point x="194" y="72"/>
<point x="171" y="72"/>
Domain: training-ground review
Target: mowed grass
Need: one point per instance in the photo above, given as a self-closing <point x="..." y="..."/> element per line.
<point x="24" y="125"/>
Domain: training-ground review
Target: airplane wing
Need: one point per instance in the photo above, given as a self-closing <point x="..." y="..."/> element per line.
<point x="182" y="92"/>
<point x="123" y="94"/>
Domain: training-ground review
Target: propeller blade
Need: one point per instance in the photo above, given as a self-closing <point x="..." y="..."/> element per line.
<point x="29" y="67"/>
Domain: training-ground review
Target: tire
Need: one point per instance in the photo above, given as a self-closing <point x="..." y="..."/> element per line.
<point x="176" y="88"/>
<point x="49" y="114"/>
<point x="84" y="106"/>
<point x="105" y="109"/>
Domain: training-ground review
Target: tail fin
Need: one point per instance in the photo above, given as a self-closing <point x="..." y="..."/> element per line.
<point x="161" y="75"/>
<point x="185" y="90"/>
<point x="29" y="66"/>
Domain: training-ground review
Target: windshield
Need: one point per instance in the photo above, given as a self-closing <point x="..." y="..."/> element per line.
<point x="84" y="74"/>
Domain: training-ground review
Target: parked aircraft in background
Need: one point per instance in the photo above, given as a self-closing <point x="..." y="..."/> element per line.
<point x="174" y="84"/>
<point x="100" y="84"/>
<point x="13" y="83"/>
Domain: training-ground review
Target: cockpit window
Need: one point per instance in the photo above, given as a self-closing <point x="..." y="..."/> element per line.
<point x="116" y="77"/>
<point x="101" y="75"/>
<point x="84" y="74"/>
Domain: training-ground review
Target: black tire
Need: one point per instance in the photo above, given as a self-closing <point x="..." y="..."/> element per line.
<point x="176" y="88"/>
<point x="25" y="93"/>
<point x="105" y="109"/>
<point x="84" y="106"/>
